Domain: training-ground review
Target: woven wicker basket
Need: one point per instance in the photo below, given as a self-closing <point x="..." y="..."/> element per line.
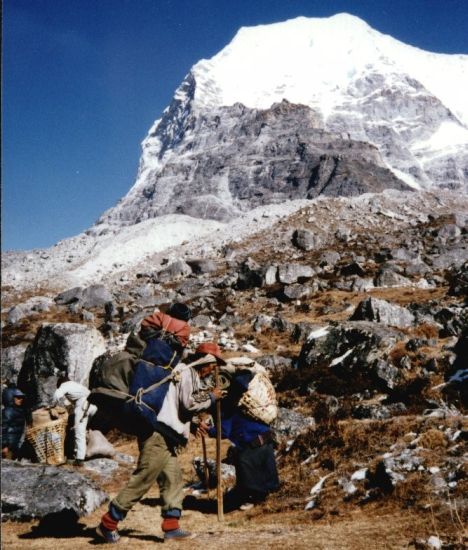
<point x="48" y="441"/>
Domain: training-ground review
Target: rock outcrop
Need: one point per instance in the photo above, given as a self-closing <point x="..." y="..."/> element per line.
<point x="31" y="491"/>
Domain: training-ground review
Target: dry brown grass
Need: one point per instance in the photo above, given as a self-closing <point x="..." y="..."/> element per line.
<point x="433" y="439"/>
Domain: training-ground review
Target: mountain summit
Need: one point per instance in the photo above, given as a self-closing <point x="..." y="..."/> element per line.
<point x="361" y="112"/>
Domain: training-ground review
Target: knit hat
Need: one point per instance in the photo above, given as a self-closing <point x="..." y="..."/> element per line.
<point x="180" y="311"/>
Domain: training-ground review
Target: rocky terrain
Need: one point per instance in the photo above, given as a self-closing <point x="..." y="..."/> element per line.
<point x="305" y="194"/>
<point x="357" y="306"/>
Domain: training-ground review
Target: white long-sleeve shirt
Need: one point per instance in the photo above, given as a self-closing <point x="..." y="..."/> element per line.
<point x="73" y="391"/>
<point x="183" y="400"/>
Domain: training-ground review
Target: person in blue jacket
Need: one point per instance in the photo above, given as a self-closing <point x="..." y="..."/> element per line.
<point x="13" y="422"/>
<point x="253" y="450"/>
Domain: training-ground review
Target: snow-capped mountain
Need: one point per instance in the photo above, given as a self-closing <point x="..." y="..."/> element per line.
<point x="217" y="148"/>
<point x="284" y="113"/>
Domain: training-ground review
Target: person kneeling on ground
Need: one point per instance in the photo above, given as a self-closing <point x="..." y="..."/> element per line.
<point x="158" y="447"/>
<point x="252" y="453"/>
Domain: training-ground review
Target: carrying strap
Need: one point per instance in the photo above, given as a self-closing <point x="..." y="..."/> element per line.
<point x="138" y="397"/>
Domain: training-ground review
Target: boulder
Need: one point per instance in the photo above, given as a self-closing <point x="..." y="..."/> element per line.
<point x="200" y="266"/>
<point x="289" y="424"/>
<point x="16" y="313"/>
<point x="329" y="257"/>
<point x="32" y="491"/>
<point x="450" y="259"/>
<point x="275" y="363"/>
<point x="69" y="296"/>
<point x="176" y="270"/>
<point x="348" y="358"/>
<point x="251" y="275"/>
<point x="62" y="348"/>
<point x="404" y="254"/>
<point x="298" y="292"/>
<point x="353" y="268"/>
<point x="95" y="296"/>
<point x="306" y="240"/>
<point x="459" y="281"/>
<point x="381" y="311"/>
<point x="292" y="273"/>
<point x="103" y="467"/>
<point x="416" y="268"/>
<point x="12" y="359"/>
<point x="389" y="278"/>
<point x="448" y="231"/>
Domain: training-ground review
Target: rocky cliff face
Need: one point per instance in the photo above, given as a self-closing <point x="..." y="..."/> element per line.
<point x="234" y="159"/>
<point x="298" y="109"/>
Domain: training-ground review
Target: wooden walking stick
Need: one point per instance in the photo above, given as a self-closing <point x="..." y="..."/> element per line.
<point x="206" y="471"/>
<point x="219" y="494"/>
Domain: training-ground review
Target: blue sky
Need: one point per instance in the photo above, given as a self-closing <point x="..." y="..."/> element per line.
<point x="83" y="81"/>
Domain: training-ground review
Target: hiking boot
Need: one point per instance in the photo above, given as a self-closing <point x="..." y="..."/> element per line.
<point x="246" y="506"/>
<point x="178" y="534"/>
<point x="108" y="535"/>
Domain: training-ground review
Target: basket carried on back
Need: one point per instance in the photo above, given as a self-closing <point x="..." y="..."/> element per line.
<point x="48" y="439"/>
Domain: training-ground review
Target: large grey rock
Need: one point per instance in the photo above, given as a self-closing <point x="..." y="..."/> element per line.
<point x="69" y="296"/>
<point x="306" y="240"/>
<point x="275" y="363"/>
<point x="289" y="424"/>
<point x="103" y="467"/>
<point x="95" y="296"/>
<point x="349" y="358"/>
<point x="459" y="281"/>
<point x="32" y="491"/>
<point x="448" y="231"/>
<point x="330" y="257"/>
<point x="16" y="313"/>
<point x="298" y="292"/>
<point x="176" y="270"/>
<point x="12" y="359"/>
<point x="202" y="265"/>
<point x="389" y="278"/>
<point x="62" y="348"/>
<point x="292" y="273"/>
<point x="453" y="258"/>
<point x="36" y="304"/>
<point x="251" y="275"/>
<point x="381" y="311"/>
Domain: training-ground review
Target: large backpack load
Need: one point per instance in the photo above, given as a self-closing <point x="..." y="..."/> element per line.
<point x="128" y="387"/>
<point x="258" y="401"/>
<point x="152" y="376"/>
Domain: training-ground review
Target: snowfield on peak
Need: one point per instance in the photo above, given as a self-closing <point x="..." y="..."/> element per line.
<point x="313" y="61"/>
<point x="359" y="85"/>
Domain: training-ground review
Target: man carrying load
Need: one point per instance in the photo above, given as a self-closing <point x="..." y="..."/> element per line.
<point x="159" y="446"/>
